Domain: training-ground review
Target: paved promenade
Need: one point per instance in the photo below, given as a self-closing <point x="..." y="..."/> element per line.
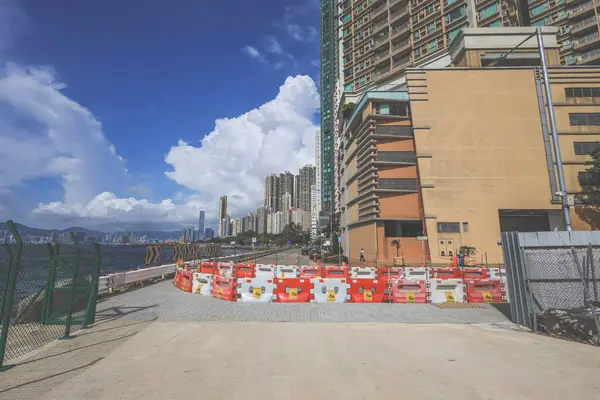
<point x="160" y="343"/>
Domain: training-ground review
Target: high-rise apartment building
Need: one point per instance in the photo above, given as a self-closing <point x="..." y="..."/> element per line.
<point x="261" y="220"/>
<point x="286" y="206"/>
<point x="222" y="214"/>
<point x="225" y="227"/>
<point x="287" y="183"/>
<point x="296" y="196"/>
<point x="307" y="179"/>
<point x="236" y="226"/>
<point x="201" y="225"/>
<point x="209" y="233"/>
<point x="272" y="192"/>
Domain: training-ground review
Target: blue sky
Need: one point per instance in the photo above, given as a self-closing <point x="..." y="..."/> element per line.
<point x="103" y="106"/>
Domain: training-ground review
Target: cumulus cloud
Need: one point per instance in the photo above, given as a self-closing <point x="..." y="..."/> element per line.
<point x="254" y="53"/>
<point x="43" y="133"/>
<point x="236" y="156"/>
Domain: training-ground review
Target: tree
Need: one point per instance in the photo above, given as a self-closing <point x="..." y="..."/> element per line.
<point x="396" y="243"/>
<point x="587" y="206"/>
<point x="467" y="251"/>
<point x="347" y="110"/>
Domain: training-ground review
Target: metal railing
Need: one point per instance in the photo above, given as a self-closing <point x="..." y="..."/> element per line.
<point x="401" y="45"/>
<point x="398" y="13"/>
<point x="586" y="38"/>
<point x="381" y="55"/>
<point x="589" y="54"/>
<point x="382" y="71"/>
<point x="583" y="23"/>
<point x="579" y="8"/>
<point x="402" y="61"/>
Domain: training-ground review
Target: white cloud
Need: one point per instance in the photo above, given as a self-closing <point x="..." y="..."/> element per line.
<point x="278" y="65"/>
<point x="43" y="133"/>
<point x="302" y="33"/>
<point x="237" y="155"/>
<point x="254" y="53"/>
<point x="273" y="46"/>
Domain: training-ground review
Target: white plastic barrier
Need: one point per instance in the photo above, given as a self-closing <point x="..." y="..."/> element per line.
<point x="225" y="269"/>
<point x="330" y="290"/>
<point x="496" y="273"/>
<point x="256" y="290"/>
<point x="202" y="284"/>
<point x="363" y="273"/>
<point x="416" y="274"/>
<point x="447" y="291"/>
<point x="287" y="271"/>
<point x="265" y="271"/>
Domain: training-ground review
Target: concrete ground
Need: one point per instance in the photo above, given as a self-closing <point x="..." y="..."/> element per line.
<point x="161" y="343"/>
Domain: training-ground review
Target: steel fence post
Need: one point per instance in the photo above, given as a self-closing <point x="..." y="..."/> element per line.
<point x="90" y="313"/>
<point x="73" y="288"/>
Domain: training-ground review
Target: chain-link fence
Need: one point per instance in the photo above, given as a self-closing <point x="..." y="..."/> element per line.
<point x="554" y="279"/>
<point x="47" y="290"/>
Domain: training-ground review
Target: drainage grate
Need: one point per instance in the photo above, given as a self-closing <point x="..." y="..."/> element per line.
<point x="459" y="305"/>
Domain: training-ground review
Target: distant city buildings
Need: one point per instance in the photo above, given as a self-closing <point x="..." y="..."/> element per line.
<point x="201" y="235"/>
<point x="209" y="233"/>
<point x="223" y="216"/>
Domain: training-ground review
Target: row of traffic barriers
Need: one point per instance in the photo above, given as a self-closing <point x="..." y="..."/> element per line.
<point x="265" y="283"/>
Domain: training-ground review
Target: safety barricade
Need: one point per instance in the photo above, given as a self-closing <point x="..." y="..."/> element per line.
<point x="187" y="280"/>
<point x="416" y="273"/>
<point x="485" y="291"/>
<point x="287" y="271"/>
<point x="292" y="290"/>
<point x="178" y="277"/>
<point x="496" y="273"/>
<point x="265" y="271"/>
<point x="366" y="290"/>
<point x="363" y="273"/>
<point x="445" y="273"/>
<point x="330" y="290"/>
<point x="256" y="290"/>
<point x="446" y="291"/>
<point x="473" y="273"/>
<point x="410" y="291"/>
<point x="226" y="270"/>
<point x="330" y="271"/>
<point x="224" y="288"/>
<point x="310" y="272"/>
<point x="202" y="284"/>
<point x="388" y="273"/>
<point x="244" y="271"/>
<point x="208" y="268"/>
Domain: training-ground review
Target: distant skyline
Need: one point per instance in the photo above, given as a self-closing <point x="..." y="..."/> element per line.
<point x="112" y="118"/>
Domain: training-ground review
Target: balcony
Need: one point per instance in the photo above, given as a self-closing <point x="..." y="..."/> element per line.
<point x="586" y="40"/>
<point x="392" y="2"/>
<point x="481" y="3"/>
<point x="382" y="38"/>
<point x="585" y="24"/>
<point x="378" y="25"/>
<point x="383" y="55"/>
<point x="400" y="184"/>
<point x="400" y="29"/>
<point x="580" y="10"/>
<point x="402" y="62"/>
<point x="394" y="131"/>
<point x="377" y="11"/>
<point x="400" y="13"/>
<point x="381" y="72"/>
<point x="402" y="157"/>
<point x="450" y="4"/>
<point x="591" y="57"/>
<point x="400" y="46"/>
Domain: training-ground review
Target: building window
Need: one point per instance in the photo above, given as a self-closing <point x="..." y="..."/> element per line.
<point x="584" y="148"/>
<point x="581" y="92"/>
<point x="448" y="227"/>
<point x="584" y="119"/>
<point x="402" y="228"/>
<point x="465" y="227"/>
<point x="391" y="109"/>
<point x="398" y="183"/>
<point x="588" y="178"/>
<point x="396" y="156"/>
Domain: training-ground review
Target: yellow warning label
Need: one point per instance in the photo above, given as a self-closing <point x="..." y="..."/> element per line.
<point x="256" y="293"/>
<point x="219" y="293"/>
<point x="199" y="289"/>
<point x="368" y="296"/>
<point x="331" y="296"/>
<point x="487" y="297"/>
<point x="449" y="297"/>
<point x="410" y="297"/>
<point x="293" y="293"/>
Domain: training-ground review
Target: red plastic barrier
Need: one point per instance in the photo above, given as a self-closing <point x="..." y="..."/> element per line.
<point x="310" y="272"/>
<point x="292" y="290"/>
<point x="335" y="272"/>
<point x="208" y="268"/>
<point x="473" y="273"/>
<point x="224" y="288"/>
<point x="386" y="273"/>
<point x="485" y="291"/>
<point x="178" y="278"/>
<point x="367" y="290"/>
<point x="244" y="271"/>
<point x="446" y="273"/>
<point x="187" y="281"/>
<point x="406" y="291"/>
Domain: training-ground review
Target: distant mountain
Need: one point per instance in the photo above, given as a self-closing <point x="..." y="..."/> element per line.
<point x="87" y="231"/>
<point x="25" y="230"/>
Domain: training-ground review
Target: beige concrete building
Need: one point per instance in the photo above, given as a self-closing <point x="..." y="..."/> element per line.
<point x="466" y="153"/>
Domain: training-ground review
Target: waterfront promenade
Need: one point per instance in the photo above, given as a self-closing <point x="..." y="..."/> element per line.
<point x="161" y="343"/>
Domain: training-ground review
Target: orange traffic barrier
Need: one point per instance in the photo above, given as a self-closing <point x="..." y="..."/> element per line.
<point x="446" y="273"/>
<point x="310" y="272"/>
<point x="224" y="288"/>
<point x="178" y="278"/>
<point x="409" y="291"/>
<point x="367" y="290"/>
<point x="292" y="290"/>
<point x="485" y="291"/>
<point x="187" y="281"/>
<point x="244" y="271"/>
<point x="331" y="271"/>
<point x="208" y="267"/>
<point x="473" y="273"/>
